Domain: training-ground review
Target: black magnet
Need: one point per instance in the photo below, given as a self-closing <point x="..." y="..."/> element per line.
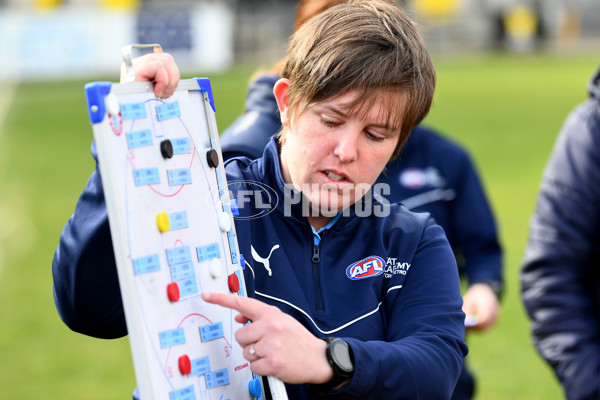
<point x="213" y="158"/>
<point x="166" y="148"/>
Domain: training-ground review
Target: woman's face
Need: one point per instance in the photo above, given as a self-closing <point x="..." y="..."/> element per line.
<point x="333" y="156"/>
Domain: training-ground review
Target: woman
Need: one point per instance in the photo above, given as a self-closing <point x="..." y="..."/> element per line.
<point x="384" y="284"/>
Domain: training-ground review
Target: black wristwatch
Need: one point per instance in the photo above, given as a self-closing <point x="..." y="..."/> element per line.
<point x="339" y="355"/>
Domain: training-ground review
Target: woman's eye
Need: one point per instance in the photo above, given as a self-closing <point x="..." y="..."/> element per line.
<point x="328" y="122"/>
<point x="374" y="137"/>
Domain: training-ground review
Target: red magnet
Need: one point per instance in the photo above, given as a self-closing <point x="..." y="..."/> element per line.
<point x="173" y="291"/>
<point x="234" y="283"/>
<point x="185" y="365"/>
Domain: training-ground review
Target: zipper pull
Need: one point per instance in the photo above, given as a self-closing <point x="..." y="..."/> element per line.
<point x="315" y="255"/>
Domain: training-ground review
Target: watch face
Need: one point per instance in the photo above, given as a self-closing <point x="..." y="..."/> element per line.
<point x="341" y="353"/>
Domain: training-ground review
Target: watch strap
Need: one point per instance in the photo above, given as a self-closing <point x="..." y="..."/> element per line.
<point x="339" y="375"/>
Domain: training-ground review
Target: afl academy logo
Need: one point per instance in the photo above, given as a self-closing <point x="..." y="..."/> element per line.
<point x="365" y="268"/>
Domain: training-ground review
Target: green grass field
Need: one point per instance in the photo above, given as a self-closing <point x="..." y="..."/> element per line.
<point x="506" y="110"/>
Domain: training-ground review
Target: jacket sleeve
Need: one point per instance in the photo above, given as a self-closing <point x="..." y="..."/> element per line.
<point x="474" y="231"/>
<point x="422" y="356"/>
<point x="560" y="275"/>
<point x="86" y="286"/>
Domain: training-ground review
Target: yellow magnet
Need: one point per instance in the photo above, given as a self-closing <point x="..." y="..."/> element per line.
<point x="162" y="221"/>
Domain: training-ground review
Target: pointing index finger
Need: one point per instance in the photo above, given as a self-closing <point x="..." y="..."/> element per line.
<point x="248" y="307"/>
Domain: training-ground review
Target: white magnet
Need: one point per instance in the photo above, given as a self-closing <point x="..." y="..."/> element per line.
<point x="112" y="104"/>
<point x="214" y="267"/>
<point x="224" y="221"/>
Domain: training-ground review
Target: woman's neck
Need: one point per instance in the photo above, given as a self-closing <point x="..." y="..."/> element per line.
<point x="318" y="222"/>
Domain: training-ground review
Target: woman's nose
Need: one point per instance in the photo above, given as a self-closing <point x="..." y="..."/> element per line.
<point x="346" y="148"/>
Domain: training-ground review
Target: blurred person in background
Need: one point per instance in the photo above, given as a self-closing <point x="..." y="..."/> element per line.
<point x="560" y="277"/>
<point x="432" y="174"/>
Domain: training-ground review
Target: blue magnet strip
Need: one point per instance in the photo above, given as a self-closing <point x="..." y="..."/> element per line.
<point x="178" y="255"/>
<point x="182" y="176"/>
<point x="182" y="271"/>
<point x="144" y="265"/>
<point x="146" y="176"/>
<point x="200" y="366"/>
<point x="139" y="139"/>
<point x="178" y="220"/>
<point x="208" y="252"/>
<point x="232" y="248"/>
<point x="211" y="332"/>
<point x="168" y="110"/>
<point x="95" y="93"/>
<point x="133" y="111"/>
<point x="188" y="286"/>
<point x="217" y="378"/>
<point x="181" y="145"/>
<point x="171" y="338"/>
<point x="186" y="393"/>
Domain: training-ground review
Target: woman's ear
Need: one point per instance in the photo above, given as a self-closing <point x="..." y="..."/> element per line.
<point x="281" y="91"/>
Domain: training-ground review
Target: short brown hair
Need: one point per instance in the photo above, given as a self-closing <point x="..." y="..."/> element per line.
<point x="365" y="45"/>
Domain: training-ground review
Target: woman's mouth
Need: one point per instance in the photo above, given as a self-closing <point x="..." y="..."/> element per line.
<point x="335" y="177"/>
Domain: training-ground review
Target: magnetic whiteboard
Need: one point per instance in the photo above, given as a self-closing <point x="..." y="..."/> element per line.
<point x="173" y="235"/>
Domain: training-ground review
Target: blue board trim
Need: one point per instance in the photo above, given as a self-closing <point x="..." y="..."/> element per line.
<point x="204" y="84"/>
<point x="95" y="93"/>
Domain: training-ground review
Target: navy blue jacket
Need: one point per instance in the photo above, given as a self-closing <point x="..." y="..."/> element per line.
<point x="560" y="277"/>
<point x="432" y="174"/>
<point x="405" y="324"/>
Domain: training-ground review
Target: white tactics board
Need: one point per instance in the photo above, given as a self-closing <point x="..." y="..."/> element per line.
<point x="171" y="222"/>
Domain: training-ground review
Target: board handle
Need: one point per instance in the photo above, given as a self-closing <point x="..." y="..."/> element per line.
<point x="127" y="52"/>
<point x="277" y="388"/>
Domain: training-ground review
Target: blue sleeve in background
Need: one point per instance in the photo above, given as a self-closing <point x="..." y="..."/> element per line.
<point x="86" y="285"/>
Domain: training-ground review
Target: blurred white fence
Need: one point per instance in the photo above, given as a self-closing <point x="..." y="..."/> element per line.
<point x="81" y="41"/>
<point x="65" y="38"/>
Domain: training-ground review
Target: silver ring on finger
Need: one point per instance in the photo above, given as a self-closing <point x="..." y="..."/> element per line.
<point x="252" y="352"/>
